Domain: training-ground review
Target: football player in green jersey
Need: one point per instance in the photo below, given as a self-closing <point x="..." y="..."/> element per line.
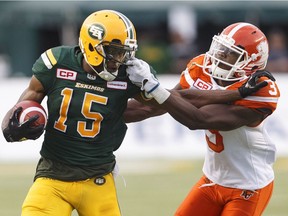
<point x="87" y="90"/>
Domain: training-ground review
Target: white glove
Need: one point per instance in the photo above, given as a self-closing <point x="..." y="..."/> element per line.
<point x="139" y="73"/>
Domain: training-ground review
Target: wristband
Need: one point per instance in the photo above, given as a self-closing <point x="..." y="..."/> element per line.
<point x="146" y="96"/>
<point x="160" y="94"/>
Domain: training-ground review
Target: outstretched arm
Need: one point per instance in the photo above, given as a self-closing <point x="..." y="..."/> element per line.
<point x="183" y="104"/>
<point x="210" y="116"/>
<point x="201" y="98"/>
<point x="213" y="116"/>
<point x="139" y="110"/>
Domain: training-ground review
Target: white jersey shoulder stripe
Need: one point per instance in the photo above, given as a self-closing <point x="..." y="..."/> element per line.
<point x="188" y="78"/>
<point x="49" y="59"/>
<point x="262" y="99"/>
<point x="46" y="60"/>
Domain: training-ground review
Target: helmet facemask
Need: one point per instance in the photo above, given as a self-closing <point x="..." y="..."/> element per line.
<point x="115" y="51"/>
<point x="224" y="60"/>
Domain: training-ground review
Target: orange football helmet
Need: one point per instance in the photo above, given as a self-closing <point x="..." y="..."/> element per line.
<point x="240" y="50"/>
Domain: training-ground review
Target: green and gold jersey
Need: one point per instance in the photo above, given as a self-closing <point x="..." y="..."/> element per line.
<point x="85" y="123"/>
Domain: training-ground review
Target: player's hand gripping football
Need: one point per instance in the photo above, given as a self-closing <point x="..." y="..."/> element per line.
<point x="251" y="86"/>
<point x="139" y="73"/>
<point x="19" y="132"/>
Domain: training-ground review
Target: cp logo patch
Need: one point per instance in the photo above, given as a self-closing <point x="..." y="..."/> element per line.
<point x="200" y="84"/>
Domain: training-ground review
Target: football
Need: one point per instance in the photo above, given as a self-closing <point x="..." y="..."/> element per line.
<point x="31" y="108"/>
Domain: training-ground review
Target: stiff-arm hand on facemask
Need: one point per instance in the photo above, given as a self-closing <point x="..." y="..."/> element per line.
<point x="140" y="74"/>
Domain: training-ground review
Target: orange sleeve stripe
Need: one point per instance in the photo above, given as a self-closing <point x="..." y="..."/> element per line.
<point x="193" y="72"/>
<point x="256" y="105"/>
<point x="184" y="84"/>
<point x="266" y="97"/>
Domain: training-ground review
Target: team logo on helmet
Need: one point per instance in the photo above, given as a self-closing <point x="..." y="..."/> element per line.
<point x="96" y="31"/>
<point x="263" y="49"/>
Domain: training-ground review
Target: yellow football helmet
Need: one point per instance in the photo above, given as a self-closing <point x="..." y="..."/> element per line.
<point x="105" y="34"/>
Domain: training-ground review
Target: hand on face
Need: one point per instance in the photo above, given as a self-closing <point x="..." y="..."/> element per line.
<point x="138" y="71"/>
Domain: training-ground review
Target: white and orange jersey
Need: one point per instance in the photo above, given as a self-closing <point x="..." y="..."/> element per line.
<point x="240" y="158"/>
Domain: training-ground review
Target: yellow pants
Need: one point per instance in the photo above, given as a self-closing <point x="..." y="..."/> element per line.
<point x="92" y="197"/>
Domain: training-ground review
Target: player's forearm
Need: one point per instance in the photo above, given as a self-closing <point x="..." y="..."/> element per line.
<point x="137" y="111"/>
<point x="183" y="111"/>
<point x="201" y="98"/>
<point x="135" y="115"/>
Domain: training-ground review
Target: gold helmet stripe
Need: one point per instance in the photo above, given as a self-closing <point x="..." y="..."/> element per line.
<point x="128" y="24"/>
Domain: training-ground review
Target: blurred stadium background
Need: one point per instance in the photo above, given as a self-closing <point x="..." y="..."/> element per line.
<point x="159" y="159"/>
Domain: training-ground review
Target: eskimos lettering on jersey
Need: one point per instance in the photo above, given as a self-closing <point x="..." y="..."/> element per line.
<point x="86" y="86"/>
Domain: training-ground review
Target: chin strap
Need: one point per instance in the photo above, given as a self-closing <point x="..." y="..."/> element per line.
<point x="106" y="75"/>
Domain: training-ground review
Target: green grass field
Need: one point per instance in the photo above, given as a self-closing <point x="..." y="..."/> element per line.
<point x="153" y="188"/>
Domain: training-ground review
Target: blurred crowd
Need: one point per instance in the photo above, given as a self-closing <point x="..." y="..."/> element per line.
<point x="184" y="42"/>
<point x="278" y="58"/>
<point x="167" y="45"/>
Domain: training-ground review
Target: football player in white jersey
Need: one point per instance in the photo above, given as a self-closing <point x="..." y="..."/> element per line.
<point x="237" y="173"/>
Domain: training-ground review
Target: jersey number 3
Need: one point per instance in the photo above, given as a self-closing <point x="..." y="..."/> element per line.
<point x="214" y="140"/>
<point x="86" y="112"/>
